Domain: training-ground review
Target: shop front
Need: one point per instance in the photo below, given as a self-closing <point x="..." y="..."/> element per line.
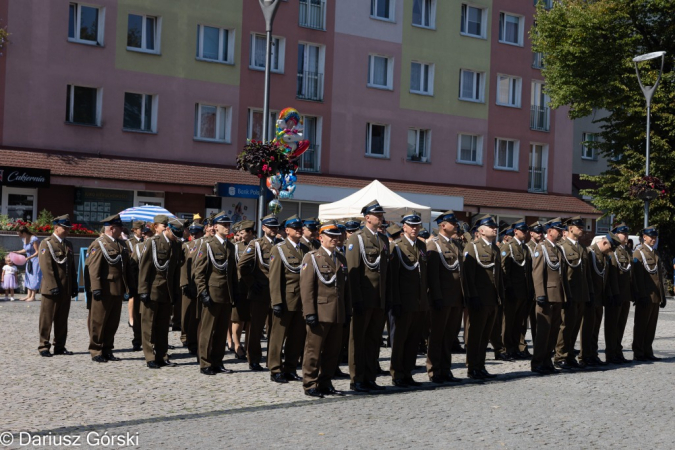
<point x="19" y="199"/>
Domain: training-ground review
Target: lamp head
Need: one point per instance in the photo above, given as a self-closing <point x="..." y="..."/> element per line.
<point x="648" y="56"/>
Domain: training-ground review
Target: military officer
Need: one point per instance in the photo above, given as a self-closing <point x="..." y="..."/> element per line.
<point x="445" y="296"/>
<point x="215" y="278"/>
<point x="424" y="234"/>
<point x="136" y="236"/>
<point x="109" y="275"/>
<point x="326" y="305"/>
<point x="367" y="261"/>
<point x="578" y="292"/>
<point x="158" y="285"/>
<point x="352" y="226"/>
<point x="650" y="294"/>
<point x="189" y="316"/>
<point x="536" y="232"/>
<point x="549" y="294"/>
<point x="288" y="324"/>
<point x="59" y="285"/>
<point x="310" y="233"/>
<point x="241" y="313"/>
<point x="393" y="232"/>
<point x="254" y="269"/>
<point x="483" y="293"/>
<point x="618" y="306"/>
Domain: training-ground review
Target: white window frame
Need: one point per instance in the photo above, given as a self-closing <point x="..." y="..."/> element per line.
<point x="387" y="140"/>
<point x="424" y="158"/>
<point x="521" y="28"/>
<point x="518" y="88"/>
<point x="432" y="15"/>
<point x="392" y="10"/>
<point x="478" y="77"/>
<point x="272" y="123"/>
<point x="321" y="70"/>
<point x="278" y="45"/>
<point x="430" y="81"/>
<point x="544" y="164"/>
<point x="153" y="117"/>
<point x="222" y="32"/>
<point x="516" y="153"/>
<point x="307" y="22"/>
<point x="220" y="110"/>
<point x="483" y="22"/>
<point x="479" y="149"/>
<point x="316" y="145"/>
<point x="99" y="101"/>
<point x="100" y="34"/>
<point x="8" y="190"/>
<point x="390" y="72"/>
<point x="142" y="200"/>
<point x="585" y="149"/>
<point x="158" y="34"/>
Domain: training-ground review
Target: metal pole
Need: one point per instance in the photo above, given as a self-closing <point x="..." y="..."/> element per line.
<point x="649" y="109"/>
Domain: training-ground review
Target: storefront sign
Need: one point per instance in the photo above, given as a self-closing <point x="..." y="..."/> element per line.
<point x="237" y="190"/>
<point x="24" y="177"/>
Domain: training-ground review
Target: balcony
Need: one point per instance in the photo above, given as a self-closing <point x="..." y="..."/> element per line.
<point x="540" y="118"/>
<point x="310" y="86"/>
<point x="309" y="161"/>
<point x="537" y="60"/>
<point x="312" y="14"/>
<point x="537" y="180"/>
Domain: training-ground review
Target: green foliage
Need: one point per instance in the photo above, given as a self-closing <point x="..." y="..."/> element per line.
<point x="44" y="218"/>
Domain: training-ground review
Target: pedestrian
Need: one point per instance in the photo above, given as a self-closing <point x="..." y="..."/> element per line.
<point x="33" y="276"/>
<point x="9" y="272"/>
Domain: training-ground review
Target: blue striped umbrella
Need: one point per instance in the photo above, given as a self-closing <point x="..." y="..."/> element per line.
<point x="146" y="213"/>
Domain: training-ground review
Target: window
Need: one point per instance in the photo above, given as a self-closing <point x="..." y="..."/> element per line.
<point x="604" y="224"/>
<point x="215" y="44"/>
<point x="83" y="105"/>
<point x="85" y="24"/>
<point x="508" y="90"/>
<point x="310" y="161"/>
<point x="212" y="123"/>
<point x="473" y="21"/>
<point x="506" y="154"/>
<point x="377" y="140"/>
<point x="424" y="13"/>
<point x="588" y="147"/>
<point x="538" y="162"/>
<point x="537" y="60"/>
<point x="421" y="78"/>
<point x="258" y="48"/>
<point x="539" y="110"/>
<point x="255" y="124"/>
<point x="313" y="14"/>
<point x="380" y="71"/>
<point x="470" y="149"/>
<point x="382" y="9"/>
<point x="143" y="33"/>
<point x="510" y="29"/>
<point x="418" y="144"/>
<point x="471" y="86"/>
<point x="310" y="72"/>
<point x="548" y="4"/>
<point x="140" y="112"/>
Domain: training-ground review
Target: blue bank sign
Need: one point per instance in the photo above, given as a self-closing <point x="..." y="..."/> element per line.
<point x="237" y="190"/>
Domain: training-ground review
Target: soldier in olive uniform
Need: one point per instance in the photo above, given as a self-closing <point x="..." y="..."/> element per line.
<point x="649" y="293"/>
<point x="578" y="292"/>
<point x="446" y="297"/>
<point x="549" y="294"/>
<point x="254" y="268"/>
<point x="189" y="316"/>
<point x="618" y="306"/>
<point x="310" y="233"/>
<point x="536" y="231"/>
<point x="158" y="284"/>
<point x="482" y="293"/>
<point x="134" y="239"/>
<point x="288" y="324"/>
<point x="367" y="260"/>
<point x="241" y="312"/>
<point x="59" y="285"/>
<point x="409" y="300"/>
<point x="326" y="306"/>
<point x="215" y="278"/>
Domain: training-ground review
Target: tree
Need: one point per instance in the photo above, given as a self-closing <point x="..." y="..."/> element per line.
<point x="588" y="46"/>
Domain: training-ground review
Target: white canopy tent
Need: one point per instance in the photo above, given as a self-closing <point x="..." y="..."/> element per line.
<point x="394" y="205"/>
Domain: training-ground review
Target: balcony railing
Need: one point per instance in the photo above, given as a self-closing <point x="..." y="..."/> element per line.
<point x="310" y="86"/>
<point x="312" y="14"/>
<point x="537" y="60"/>
<point x="537" y="180"/>
<point x="309" y="161"/>
<point x="540" y="118"/>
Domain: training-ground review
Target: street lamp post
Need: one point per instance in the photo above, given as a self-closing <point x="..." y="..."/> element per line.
<point x="269" y="9"/>
<point x="648" y="92"/>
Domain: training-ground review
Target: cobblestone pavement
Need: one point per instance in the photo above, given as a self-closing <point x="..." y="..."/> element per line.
<point x="627" y="406"/>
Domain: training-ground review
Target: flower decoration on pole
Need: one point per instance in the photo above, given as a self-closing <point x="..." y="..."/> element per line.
<point x="648" y="188"/>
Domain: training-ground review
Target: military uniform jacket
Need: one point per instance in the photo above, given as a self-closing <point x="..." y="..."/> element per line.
<point x="253" y="267"/>
<point x="646" y="274"/>
<point x="131" y="243"/>
<point x="409" y="275"/>
<point x="159" y="267"/>
<point x="576" y="272"/>
<point x="108" y="268"/>
<point x="621" y="274"/>
<point x="599" y="267"/>
<point x="368" y="266"/>
<point x="57" y="262"/>
<point x="517" y="269"/>
<point x="547" y="273"/>
<point x="444" y="265"/>
<point x="482" y="272"/>
<point x="215" y="270"/>
<point x="190" y="250"/>
<point x="323" y="286"/>
<point x="312" y="244"/>
<point x="284" y="274"/>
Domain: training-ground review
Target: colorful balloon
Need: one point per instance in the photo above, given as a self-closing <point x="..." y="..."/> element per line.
<point x="289" y="133"/>
<point x="275" y="207"/>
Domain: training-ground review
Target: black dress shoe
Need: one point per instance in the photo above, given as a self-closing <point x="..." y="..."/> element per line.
<point x="640" y="358"/>
<point x="475" y="374"/>
<point x="359" y="387"/>
<point x="540" y="370"/>
<point x="207" y="371"/>
<point x="436" y="379"/>
<point x="46" y="354"/>
<point x="292" y="376"/>
<point x="526" y="353"/>
<point x="278" y="378"/>
<point x="598" y="361"/>
<point x="616" y="361"/>
<point x="412" y="382"/>
<point x="373" y="386"/>
<point x="486" y="374"/>
<point x="137" y="348"/>
<point x="152" y="365"/>
<point x="62" y="351"/>
<point x="330" y="390"/>
<point x="340" y="374"/>
<point x="625" y="361"/>
<point x="256" y="367"/>
<point x="654" y="358"/>
<point x="111" y="357"/>
<point x="99" y="359"/>
<point x="314" y="392"/>
<point x="503" y="357"/>
<point x="451" y="378"/>
<point x="584" y="363"/>
<point x="399" y="382"/>
<point x="167" y="363"/>
<point x="574" y="364"/>
<point x="458" y="349"/>
<point x="564" y="365"/>
<point x="222" y="369"/>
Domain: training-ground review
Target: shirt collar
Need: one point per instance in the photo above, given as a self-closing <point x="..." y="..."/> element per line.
<point x="550" y="242"/>
<point x="110" y="237"/>
<point x="572" y="240"/>
<point x="59" y="239"/>
<point x="412" y="244"/>
<point x="517" y="240"/>
<point x="221" y="240"/>
<point x="447" y="239"/>
<point x="649" y="247"/>
<point x="374" y="232"/>
<point x="489" y="244"/>
<point x="164" y="236"/>
<point x="270" y="240"/>
<point x="327" y="251"/>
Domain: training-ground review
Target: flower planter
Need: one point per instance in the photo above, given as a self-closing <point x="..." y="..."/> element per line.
<point x="648" y="194"/>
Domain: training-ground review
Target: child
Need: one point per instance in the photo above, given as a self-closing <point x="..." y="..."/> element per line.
<point x="9" y="278"/>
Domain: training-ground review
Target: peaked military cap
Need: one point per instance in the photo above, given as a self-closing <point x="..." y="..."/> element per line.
<point x="112" y="220"/>
<point x="554" y="223"/>
<point x="621" y="228"/>
<point x="312" y="223"/>
<point x="196" y="227"/>
<point x="270" y="220"/>
<point x="162" y="219"/>
<point x="293" y="222"/>
<point x="176" y="227"/>
<point x="412" y="218"/>
<point x="650" y="231"/>
<point x="424" y="233"/>
<point x="372" y="208"/>
<point x="62" y="221"/>
<point x="222" y="218"/>
<point x="520" y="225"/>
<point x="246" y="225"/>
<point x="613" y="239"/>
<point x="576" y="221"/>
<point x="448" y="216"/>
<point x="137" y="225"/>
<point x="484" y="219"/>
<point x="352" y="224"/>
<point x="537" y="227"/>
<point x="394" y="230"/>
<point x="330" y="228"/>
